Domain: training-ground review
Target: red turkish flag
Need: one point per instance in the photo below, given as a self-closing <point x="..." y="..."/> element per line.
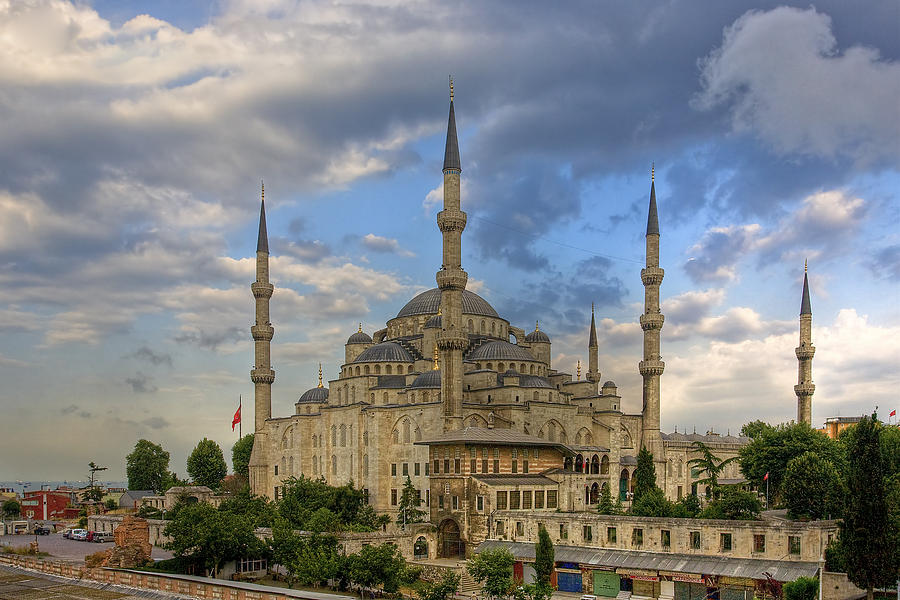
<point x="893" y="413"/>
<point x="237" y="417"/>
<point x="764" y="478"/>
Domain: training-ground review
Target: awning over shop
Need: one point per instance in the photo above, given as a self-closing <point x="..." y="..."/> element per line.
<point x="750" y="568"/>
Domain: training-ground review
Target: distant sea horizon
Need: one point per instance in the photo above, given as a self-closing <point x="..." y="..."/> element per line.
<point x="21" y="486"/>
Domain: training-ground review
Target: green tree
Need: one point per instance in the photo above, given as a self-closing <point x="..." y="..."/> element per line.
<point x="323" y="520"/>
<point x="240" y="455"/>
<point x="711" y="465"/>
<point x="774" y="448"/>
<point x="812" y="488"/>
<point x="441" y="590"/>
<point x="111" y="504"/>
<point x="543" y="558"/>
<point x="687" y="508"/>
<point x="803" y="588"/>
<point x="147" y="467"/>
<point x="206" y="464"/>
<point x="287" y="549"/>
<point x="754" y="429"/>
<point x="303" y="497"/>
<point x="606" y="506"/>
<point x="409" y="511"/>
<point x="382" y="565"/>
<point x="494" y="570"/>
<point x="869" y="530"/>
<point x="12" y="509"/>
<point x="211" y="536"/>
<point x="644" y="474"/>
<point x="734" y="504"/>
<point x="652" y="503"/>
<point x="260" y="511"/>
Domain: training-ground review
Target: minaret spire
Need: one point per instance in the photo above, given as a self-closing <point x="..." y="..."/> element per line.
<point x="262" y="374"/>
<point x="651" y="368"/>
<point x="805" y="352"/>
<point x="451" y="280"/>
<point x="593" y="374"/>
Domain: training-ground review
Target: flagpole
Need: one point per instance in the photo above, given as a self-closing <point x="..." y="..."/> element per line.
<point x="240" y="408"/>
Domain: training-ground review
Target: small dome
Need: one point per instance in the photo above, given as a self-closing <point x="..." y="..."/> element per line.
<point x="428" y="303"/>
<point x="499" y="350"/>
<point x="317" y="394"/>
<point x="428" y="379"/>
<point x="360" y="337"/>
<point x="537" y="336"/>
<point x="384" y="352"/>
<point x="434" y="322"/>
<point x="609" y="384"/>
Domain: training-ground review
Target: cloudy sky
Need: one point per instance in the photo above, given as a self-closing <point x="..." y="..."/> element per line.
<point x="135" y="135"/>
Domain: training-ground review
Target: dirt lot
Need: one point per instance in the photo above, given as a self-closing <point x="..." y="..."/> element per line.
<point x="71" y="550"/>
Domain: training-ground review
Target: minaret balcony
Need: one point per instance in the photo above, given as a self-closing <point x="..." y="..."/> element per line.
<point x="451" y="279"/>
<point x="650" y="321"/>
<point x="804" y="389"/>
<point x="262" y="333"/>
<point x="448" y="340"/>
<point x="805" y="352"/>
<point x="652" y="275"/>
<point x="451" y="220"/>
<point x="261" y="289"/>
<point x="651" y="367"/>
<point x="262" y="376"/>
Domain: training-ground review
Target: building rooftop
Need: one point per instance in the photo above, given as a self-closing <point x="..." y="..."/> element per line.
<point x="496" y="437"/>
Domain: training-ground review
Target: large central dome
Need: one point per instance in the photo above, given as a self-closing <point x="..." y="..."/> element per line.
<point x="428" y="303"/>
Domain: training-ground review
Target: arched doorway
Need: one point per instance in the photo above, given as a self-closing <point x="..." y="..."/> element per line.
<point x="449" y="542"/>
<point x="595" y="465"/>
<point x="595" y="493"/>
<point x="579" y="463"/>
<point x="623" y="485"/>
<point x="420" y="548"/>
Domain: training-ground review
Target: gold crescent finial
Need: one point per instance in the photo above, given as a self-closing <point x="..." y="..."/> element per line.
<point x="360" y="328"/>
<point x="439" y="311"/>
<point x="435" y="366"/>
<point x="652" y="172"/>
<point x="578" y="370"/>
<point x="451" y="88"/>
<point x="592" y="309"/>
<point x="536" y="326"/>
<point x="320" y="375"/>
<point x="805" y="264"/>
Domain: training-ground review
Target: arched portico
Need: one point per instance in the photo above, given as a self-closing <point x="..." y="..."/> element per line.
<point x="450" y="544"/>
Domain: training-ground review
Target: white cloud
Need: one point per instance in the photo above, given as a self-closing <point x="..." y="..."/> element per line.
<point x="377" y="243"/>
<point x="785" y="79"/>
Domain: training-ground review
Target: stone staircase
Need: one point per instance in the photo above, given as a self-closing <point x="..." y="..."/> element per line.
<point x="411" y="348"/>
<point x="623" y="595"/>
<point x="467" y="586"/>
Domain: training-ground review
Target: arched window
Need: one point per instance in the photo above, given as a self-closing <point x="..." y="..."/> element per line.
<point x="334" y="435"/>
<point x="409" y="369"/>
<point x="389" y="369"/>
<point x="353" y="394"/>
<point x="395" y="435"/>
<point x="343" y="436"/>
<point x="365" y="464"/>
<point x="551" y="431"/>
<point x="500" y="368"/>
<point x="378" y="369"/>
<point x="406" y="437"/>
<point x="535" y="396"/>
<point x="372" y="397"/>
<point x="604" y="465"/>
<point x="333" y="464"/>
<point x="357" y="370"/>
<point x="532" y="370"/>
<point x="478" y="366"/>
<point x="315" y="465"/>
<point x="471" y="326"/>
<point x="493" y="329"/>
<point x="350" y="434"/>
<point x="366" y="369"/>
<point x="315" y="442"/>
<point x="522" y="369"/>
<point x="412" y="398"/>
<point x="490" y="366"/>
<point x="483" y="326"/>
<point x="365" y="438"/>
<point x="291" y="466"/>
<point x="385" y="398"/>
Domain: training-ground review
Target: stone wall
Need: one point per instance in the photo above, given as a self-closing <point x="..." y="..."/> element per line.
<point x="836" y="586"/>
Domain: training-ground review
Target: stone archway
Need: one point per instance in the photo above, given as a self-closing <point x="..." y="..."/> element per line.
<point x="450" y="543"/>
<point x="623" y="485"/>
<point x="420" y="548"/>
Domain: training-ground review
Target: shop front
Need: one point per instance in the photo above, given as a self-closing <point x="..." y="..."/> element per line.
<point x="689" y="586"/>
<point x="606" y="583"/>
<point x="568" y="577"/>
<point x="644" y="582"/>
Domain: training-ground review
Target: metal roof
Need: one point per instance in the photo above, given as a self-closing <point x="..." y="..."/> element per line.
<point x="537" y="336"/>
<point x="499" y="350"/>
<point x="652" y="218"/>
<point x="451" y="150"/>
<point x="750" y="568"/>
<point x="428" y="379"/>
<point x="429" y="301"/>
<point x="360" y="337"/>
<point x="523" y="479"/>
<point x="262" y="240"/>
<point x="805" y="307"/>
<point x="316" y="394"/>
<point x="384" y="352"/>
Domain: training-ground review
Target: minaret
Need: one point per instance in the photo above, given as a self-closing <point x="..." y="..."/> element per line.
<point x="262" y="374"/>
<point x="805" y="352"/>
<point x="593" y="374"/>
<point x="451" y="280"/>
<point x="651" y="322"/>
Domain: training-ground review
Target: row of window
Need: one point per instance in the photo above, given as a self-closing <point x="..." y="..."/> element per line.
<point x="726" y="541"/>
<point x="405" y="469"/>
<point x="526" y="499"/>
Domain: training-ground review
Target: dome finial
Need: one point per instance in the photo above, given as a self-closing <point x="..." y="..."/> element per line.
<point x="435" y="366"/>
<point x="360" y="328"/>
<point x="439" y="311"/>
<point x="652" y="172"/>
<point x="578" y="369"/>
<point x="320" y="376"/>
<point x="262" y="186"/>
<point x="805" y="264"/>
<point x="451" y="88"/>
<point x="537" y="326"/>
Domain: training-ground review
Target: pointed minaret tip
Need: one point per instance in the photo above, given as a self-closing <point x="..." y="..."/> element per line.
<point x="592" y="342"/>
<point x="652" y="216"/>
<point x="262" y="241"/>
<point x="805" y="306"/>
<point x="451" y="150"/>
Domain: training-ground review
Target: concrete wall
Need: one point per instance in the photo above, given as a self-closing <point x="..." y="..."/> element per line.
<point x="836" y="586"/>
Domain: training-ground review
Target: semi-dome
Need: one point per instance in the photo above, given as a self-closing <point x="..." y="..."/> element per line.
<point x="317" y="394"/>
<point x="428" y="303"/>
<point x="384" y="352"/>
<point x="428" y="379"/>
<point x="360" y="337"/>
<point x="434" y="322"/>
<point x="499" y="350"/>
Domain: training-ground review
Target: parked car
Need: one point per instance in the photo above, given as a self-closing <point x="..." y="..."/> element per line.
<point x="67" y="533"/>
<point x="42" y="530"/>
<point x="102" y="536"/>
<point x="80" y="535"/>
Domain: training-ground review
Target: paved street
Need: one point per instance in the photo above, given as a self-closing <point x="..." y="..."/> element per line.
<point x="62" y="548"/>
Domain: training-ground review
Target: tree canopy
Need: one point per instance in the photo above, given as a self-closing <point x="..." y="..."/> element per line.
<point x="309" y="560"/>
<point x="306" y="504"/>
<point x="206" y="464"/>
<point x="441" y="590"/>
<point x="494" y="570"/>
<point x="710" y="465"/>
<point x="408" y="510"/>
<point x="240" y="455"/>
<point x="382" y="565"/>
<point x="147" y="467"/>
<point x="543" y="558"/>
<point x="644" y="474"/>
<point x="11" y="508"/>
<point x="812" y="488"/>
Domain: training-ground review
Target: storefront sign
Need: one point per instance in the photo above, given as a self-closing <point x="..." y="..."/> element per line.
<point x="644" y="577"/>
<point x="688" y="578"/>
<point x="632" y="572"/>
